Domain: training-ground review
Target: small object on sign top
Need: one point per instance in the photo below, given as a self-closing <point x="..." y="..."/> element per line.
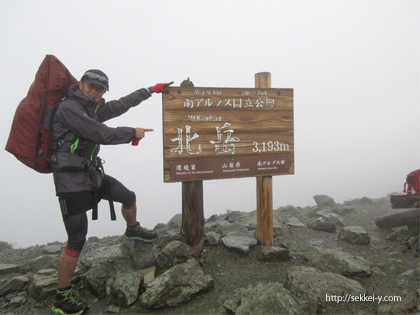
<point x="135" y="142"/>
<point x="187" y="83"/>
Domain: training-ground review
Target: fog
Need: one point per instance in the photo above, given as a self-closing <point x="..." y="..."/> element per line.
<point x="353" y="65"/>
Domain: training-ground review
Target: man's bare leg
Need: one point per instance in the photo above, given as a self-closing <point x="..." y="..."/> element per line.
<point x="66" y="267"/>
<point x="129" y="214"/>
<point x="65" y="297"/>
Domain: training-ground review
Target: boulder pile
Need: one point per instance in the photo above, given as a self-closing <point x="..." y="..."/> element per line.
<point x="133" y="277"/>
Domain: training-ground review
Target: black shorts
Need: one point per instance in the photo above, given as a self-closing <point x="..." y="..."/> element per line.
<point x="74" y="206"/>
<point x="80" y="202"/>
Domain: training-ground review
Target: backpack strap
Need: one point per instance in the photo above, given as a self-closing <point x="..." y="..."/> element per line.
<point x="110" y="200"/>
<point x="91" y="169"/>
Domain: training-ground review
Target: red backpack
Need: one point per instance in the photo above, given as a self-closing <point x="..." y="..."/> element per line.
<point x="29" y="140"/>
<point x="412" y="182"/>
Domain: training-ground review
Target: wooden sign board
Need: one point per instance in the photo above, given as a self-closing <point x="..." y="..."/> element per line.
<point x="215" y="133"/>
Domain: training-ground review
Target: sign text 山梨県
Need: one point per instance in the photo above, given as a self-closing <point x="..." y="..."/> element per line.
<point x="214" y="133"/>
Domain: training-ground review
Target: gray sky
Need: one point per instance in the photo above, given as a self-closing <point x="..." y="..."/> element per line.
<point x="353" y="65"/>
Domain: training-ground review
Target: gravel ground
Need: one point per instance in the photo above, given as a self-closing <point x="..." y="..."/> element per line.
<point x="230" y="270"/>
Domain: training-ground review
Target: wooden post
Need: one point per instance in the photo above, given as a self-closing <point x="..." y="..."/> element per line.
<point x="192" y="208"/>
<point x="407" y="217"/>
<point x="404" y="201"/>
<point x="264" y="186"/>
<point x="193" y="214"/>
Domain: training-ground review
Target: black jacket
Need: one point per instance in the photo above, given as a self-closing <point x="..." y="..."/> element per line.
<point x="79" y="121"/>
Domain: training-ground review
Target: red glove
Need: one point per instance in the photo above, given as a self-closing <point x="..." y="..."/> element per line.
<point x="140" y="133"/>
<point x="160" y="87"/>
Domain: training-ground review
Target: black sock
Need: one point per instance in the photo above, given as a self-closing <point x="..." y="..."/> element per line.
<point x="64" y="289"/>
<point x="133" y="227"/>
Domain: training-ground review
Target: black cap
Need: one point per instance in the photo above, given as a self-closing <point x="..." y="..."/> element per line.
<point x="97" y="77"/>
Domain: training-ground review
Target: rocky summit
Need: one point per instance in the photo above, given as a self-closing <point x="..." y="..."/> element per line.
<point x="326" y="259"/>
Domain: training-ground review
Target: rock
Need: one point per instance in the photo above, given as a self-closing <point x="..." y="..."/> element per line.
<point x="212" y="238"/>
<point x="16" y="284"/>
<point x="239" y="242"/>
<point x="175" y="286"/>
<point x="366" y="201"/>
<point x="250" y="222"/>
<point x="413" y="229"/>
<point x="93" y="239"/>
<point x="113" y="309"/>
<point x="399" y="235"/>
<point x="322" y="226"/>
<point x="294" y="222"/>
<point x="178" y="250"/>
<point x="272" y="253"/>
<point x="216" y="217"/>
<point x="215" y="226"/>
<point x="332" y="218"/>
<point x="280" y="231"/>
<point x="43" y="284"/>
<point x="175" y="222"/>
<point x="123" y="288"/>
<point x="106" y="254"/>
<point x="8" y="268"/>
<point x="175" y="252"/>
<point x="236" y="216"/>
<point x="17" y="301"/>
<point x="355" y="235"/>
<point x="233" y="228"/>
<point x="289" y="209"/>
<point x="245" y="219"/>
<point x="405" y="304"/>
<point x="97" y="277"/>
<point x="106" y="266"/>
<point x="161" y="242"/>
<point x="322" y="212"/>
<point x="411" y="273"/>
<point x="42" y="262"/>
<point x="312" y="285"/>
<point x="324" y="200"/>
<point x="142" y="254"/>
<point x="343" y="210"/>
<point x="340" y="262"/>
<point x="164" y="230"/>
<point x="52" y="249"/>
<point x="262" y="298"/>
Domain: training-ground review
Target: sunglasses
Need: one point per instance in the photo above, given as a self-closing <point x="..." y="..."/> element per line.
<point x="96" y="87"/>
<point x="95" y="76"/>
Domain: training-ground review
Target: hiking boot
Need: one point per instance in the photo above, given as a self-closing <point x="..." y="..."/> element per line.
<point x="66" y="302"/>
<point x="138" y="233"/>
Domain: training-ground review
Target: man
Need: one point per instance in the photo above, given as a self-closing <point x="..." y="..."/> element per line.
<point x="80" y="182"/>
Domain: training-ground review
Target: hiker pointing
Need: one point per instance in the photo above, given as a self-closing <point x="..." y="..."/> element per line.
<point x="79" y="178"/>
